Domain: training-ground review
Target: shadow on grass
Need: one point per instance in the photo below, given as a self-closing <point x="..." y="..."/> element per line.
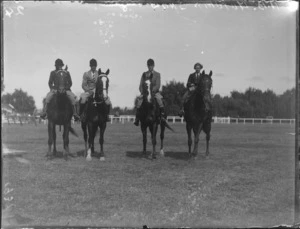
<point x="178" y="155"/>
<point x="60" y="154"/>
<point x="138" y="154"/>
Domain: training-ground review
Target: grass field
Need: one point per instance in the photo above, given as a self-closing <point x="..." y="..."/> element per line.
<point x="247" y="181"/>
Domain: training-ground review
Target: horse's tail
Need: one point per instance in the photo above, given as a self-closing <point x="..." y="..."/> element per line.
<point x="164" y="122"/>
<point x="72" y="131"/>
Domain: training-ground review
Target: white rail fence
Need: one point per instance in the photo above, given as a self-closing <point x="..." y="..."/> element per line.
<point x="171" y="119"/>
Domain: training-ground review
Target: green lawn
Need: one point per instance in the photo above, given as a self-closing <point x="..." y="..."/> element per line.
<point x="248" y="180"/>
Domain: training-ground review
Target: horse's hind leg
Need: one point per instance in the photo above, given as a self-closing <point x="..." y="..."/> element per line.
<point x="206" y="129"/>
<point x="190" y="141"/>
<point x="162" y="135"/>
<point x="196" y="139"/>
<point x="153" y="136"/>
<point x="50" y="140"/>
<point x="101" y="141"/>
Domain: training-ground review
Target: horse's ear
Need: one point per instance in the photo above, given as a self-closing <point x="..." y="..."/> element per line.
<point x="66" y="68"/>
<point x="210" y="73"/>
<point x="107" y="72"/>
<point x="203" y="72"/>
<point x="99" y="71"/>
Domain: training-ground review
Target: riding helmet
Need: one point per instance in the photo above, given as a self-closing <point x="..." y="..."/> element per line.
<point x="59" y="63"/>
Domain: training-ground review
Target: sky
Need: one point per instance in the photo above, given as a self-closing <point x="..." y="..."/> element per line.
<point x="243" y="46"/>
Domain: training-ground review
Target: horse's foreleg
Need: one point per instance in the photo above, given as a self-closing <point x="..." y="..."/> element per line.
<point x="144" y="132"/>
<point x="50" y="140"/>
<point x="153" y="136"/>
<point x="196" y="139"/>
<point x="207" y="129"/>
<point x="162" y="135"/>
<point x="84" y="129"/>
<point x="92" y="130"/>
<point x="66" y="140"/>
<point x="101" y="141"/>
<point x="190" y="141"/>
<point x="54" y="141"/>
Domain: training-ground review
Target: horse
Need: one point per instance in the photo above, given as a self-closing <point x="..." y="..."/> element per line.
<point x="96" y="116"/>
<point x="198" y="115"/>
<point x="149" y="115"/>
<point x="60" y="113"/>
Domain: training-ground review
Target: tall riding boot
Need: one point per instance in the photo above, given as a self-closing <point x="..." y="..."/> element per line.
<point x="137" y="118"/>
<point x="44" y="111"/>
<point x="75" y="115"/>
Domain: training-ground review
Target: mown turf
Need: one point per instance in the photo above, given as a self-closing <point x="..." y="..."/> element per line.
<point x="247" y="181"/>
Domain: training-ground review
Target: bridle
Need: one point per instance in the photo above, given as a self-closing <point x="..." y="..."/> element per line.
<point x="105" y="90"/>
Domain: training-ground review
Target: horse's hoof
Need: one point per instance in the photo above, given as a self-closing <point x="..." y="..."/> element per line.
<point x="162" y="153"/>
<point x="102" y="158"/>
<point x="88" y="158"/>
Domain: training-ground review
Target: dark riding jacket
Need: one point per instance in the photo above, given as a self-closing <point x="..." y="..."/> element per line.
<point x="54" y="81"/>
<point x="193" y="79"/>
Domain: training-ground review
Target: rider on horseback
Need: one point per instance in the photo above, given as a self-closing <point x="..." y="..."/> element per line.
<point x="89" y="86"/>
<point x="154" y="77"/>
<point x="54" y="84"/>
<point x="193" y="82"/>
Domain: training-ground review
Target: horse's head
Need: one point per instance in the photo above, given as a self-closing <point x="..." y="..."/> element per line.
<point x="205" y="86"/>
<point x="146" y="88"/>
<point x="102" y="85"/>
<point x="62" y="80"/>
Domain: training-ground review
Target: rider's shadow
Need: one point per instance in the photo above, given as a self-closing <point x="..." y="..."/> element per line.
<point x="177" y="155"/>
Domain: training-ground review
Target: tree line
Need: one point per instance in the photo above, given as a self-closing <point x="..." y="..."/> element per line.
<point x="252" y="103"/>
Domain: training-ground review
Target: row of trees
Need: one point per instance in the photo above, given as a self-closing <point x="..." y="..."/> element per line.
<point x="251" y="103"/>
<point x="22" y="102"/>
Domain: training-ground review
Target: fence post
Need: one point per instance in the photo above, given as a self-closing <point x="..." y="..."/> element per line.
<point x="174" y="119"/>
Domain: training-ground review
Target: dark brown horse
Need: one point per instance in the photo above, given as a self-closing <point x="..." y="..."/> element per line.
<point x="60" y="113"/>
<point x="149" y="115"/>
<point x="198" y="113"/>
<point x="96" y="114"/>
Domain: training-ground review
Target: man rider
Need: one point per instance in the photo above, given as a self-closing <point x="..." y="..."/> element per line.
<point x="155" y="80"/>
<point x="192" y="83"/>
<point x="89" y="86"/>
